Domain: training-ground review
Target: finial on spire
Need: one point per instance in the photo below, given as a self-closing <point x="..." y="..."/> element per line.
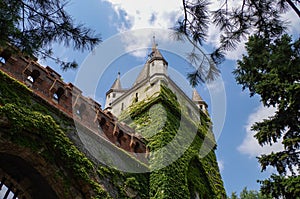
<point x="154" y="44"/>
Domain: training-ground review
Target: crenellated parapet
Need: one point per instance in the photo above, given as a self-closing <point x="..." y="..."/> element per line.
<point x="49" y="85"/>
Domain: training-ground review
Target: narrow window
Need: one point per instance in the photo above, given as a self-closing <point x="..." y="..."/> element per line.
<point x="136" y="97"/>
<point x="122" y="106"/>
<point x="114" y="95"/>
<point x="120" y="135"/>
<point x="189" y="111"/>
<point x="102" y="122"/>
<point x="136" y="147"/>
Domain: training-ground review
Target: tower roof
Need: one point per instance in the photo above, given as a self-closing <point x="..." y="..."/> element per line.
<point x="117" y="83"/>
<point x="154" y="55"/>
<point x="196" y="97"/>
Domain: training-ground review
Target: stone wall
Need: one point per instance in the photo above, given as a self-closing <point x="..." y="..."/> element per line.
<point x="48" y="85"/>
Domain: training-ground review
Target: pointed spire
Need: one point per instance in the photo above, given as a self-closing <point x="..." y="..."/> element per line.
<point x="117" y="83"/>
<point x="196" y="97"/>
<point x="155" y="54"/>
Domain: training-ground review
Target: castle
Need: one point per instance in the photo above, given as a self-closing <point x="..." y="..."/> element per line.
<point x="43" y="119"/>
<point x="153" y="74"/>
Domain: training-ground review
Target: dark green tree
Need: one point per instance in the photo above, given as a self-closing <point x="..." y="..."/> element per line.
<point x="235" y="24"/>
<point x="233" y="196"/>
<point x="249" y="194"/>
<point x="34" y="25"/>
<point x="271" y="69"/>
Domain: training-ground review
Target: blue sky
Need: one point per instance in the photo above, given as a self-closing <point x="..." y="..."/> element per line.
<point x="237" y="148"/>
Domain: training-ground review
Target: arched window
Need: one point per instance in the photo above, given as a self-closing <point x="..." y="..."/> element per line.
<point x="102" y="122"/>
<point x="57" y="95"/>
<point x="4" y="56"/>
<point x="136" y="147"/>
<point x="120" y="135"/>
<point x="32" y="77"/>
<point x="80" y="110"/>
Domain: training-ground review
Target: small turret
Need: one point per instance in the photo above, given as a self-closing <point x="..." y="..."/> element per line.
<point x="158" y="64"/>
<point x="201" y="104"/>
<point x="114" y="92"/>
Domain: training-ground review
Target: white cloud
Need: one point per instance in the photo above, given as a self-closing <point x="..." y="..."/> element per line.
<point x="164" y="14"/>
<point x="250" y="145"/>
<point x="145" y="14"/>
<point x="221" y="165"/>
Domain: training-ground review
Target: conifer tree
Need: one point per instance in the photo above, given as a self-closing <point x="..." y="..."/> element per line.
<point x="271" y="69"/>
<point x="34" y="25"/>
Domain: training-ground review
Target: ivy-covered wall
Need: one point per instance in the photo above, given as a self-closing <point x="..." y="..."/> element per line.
<point x="177" y="169"/>
<point x="170" y="131"/>
<point x="28" y="122"/>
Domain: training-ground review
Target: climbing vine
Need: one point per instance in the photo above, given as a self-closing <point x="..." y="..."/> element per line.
<point x="160" y="119"/>
<point x="31" y="125"/>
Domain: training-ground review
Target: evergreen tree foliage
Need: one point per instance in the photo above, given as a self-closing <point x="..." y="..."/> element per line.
<point x="271" y="69"/>
<point x="235" y="24"/>
<point x="249" y="194"/>
<point x="34" y="25"/>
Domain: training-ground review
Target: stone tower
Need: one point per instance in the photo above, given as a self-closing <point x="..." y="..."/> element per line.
<point x="176" y="129"/>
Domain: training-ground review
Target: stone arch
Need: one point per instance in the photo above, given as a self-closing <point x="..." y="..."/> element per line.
<point x="198" y="182"/>
<point x="27" y="174"/>
<point x="22" y="179"/>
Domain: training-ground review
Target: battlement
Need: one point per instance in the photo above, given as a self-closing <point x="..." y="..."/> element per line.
<point x="48" y="85"/>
